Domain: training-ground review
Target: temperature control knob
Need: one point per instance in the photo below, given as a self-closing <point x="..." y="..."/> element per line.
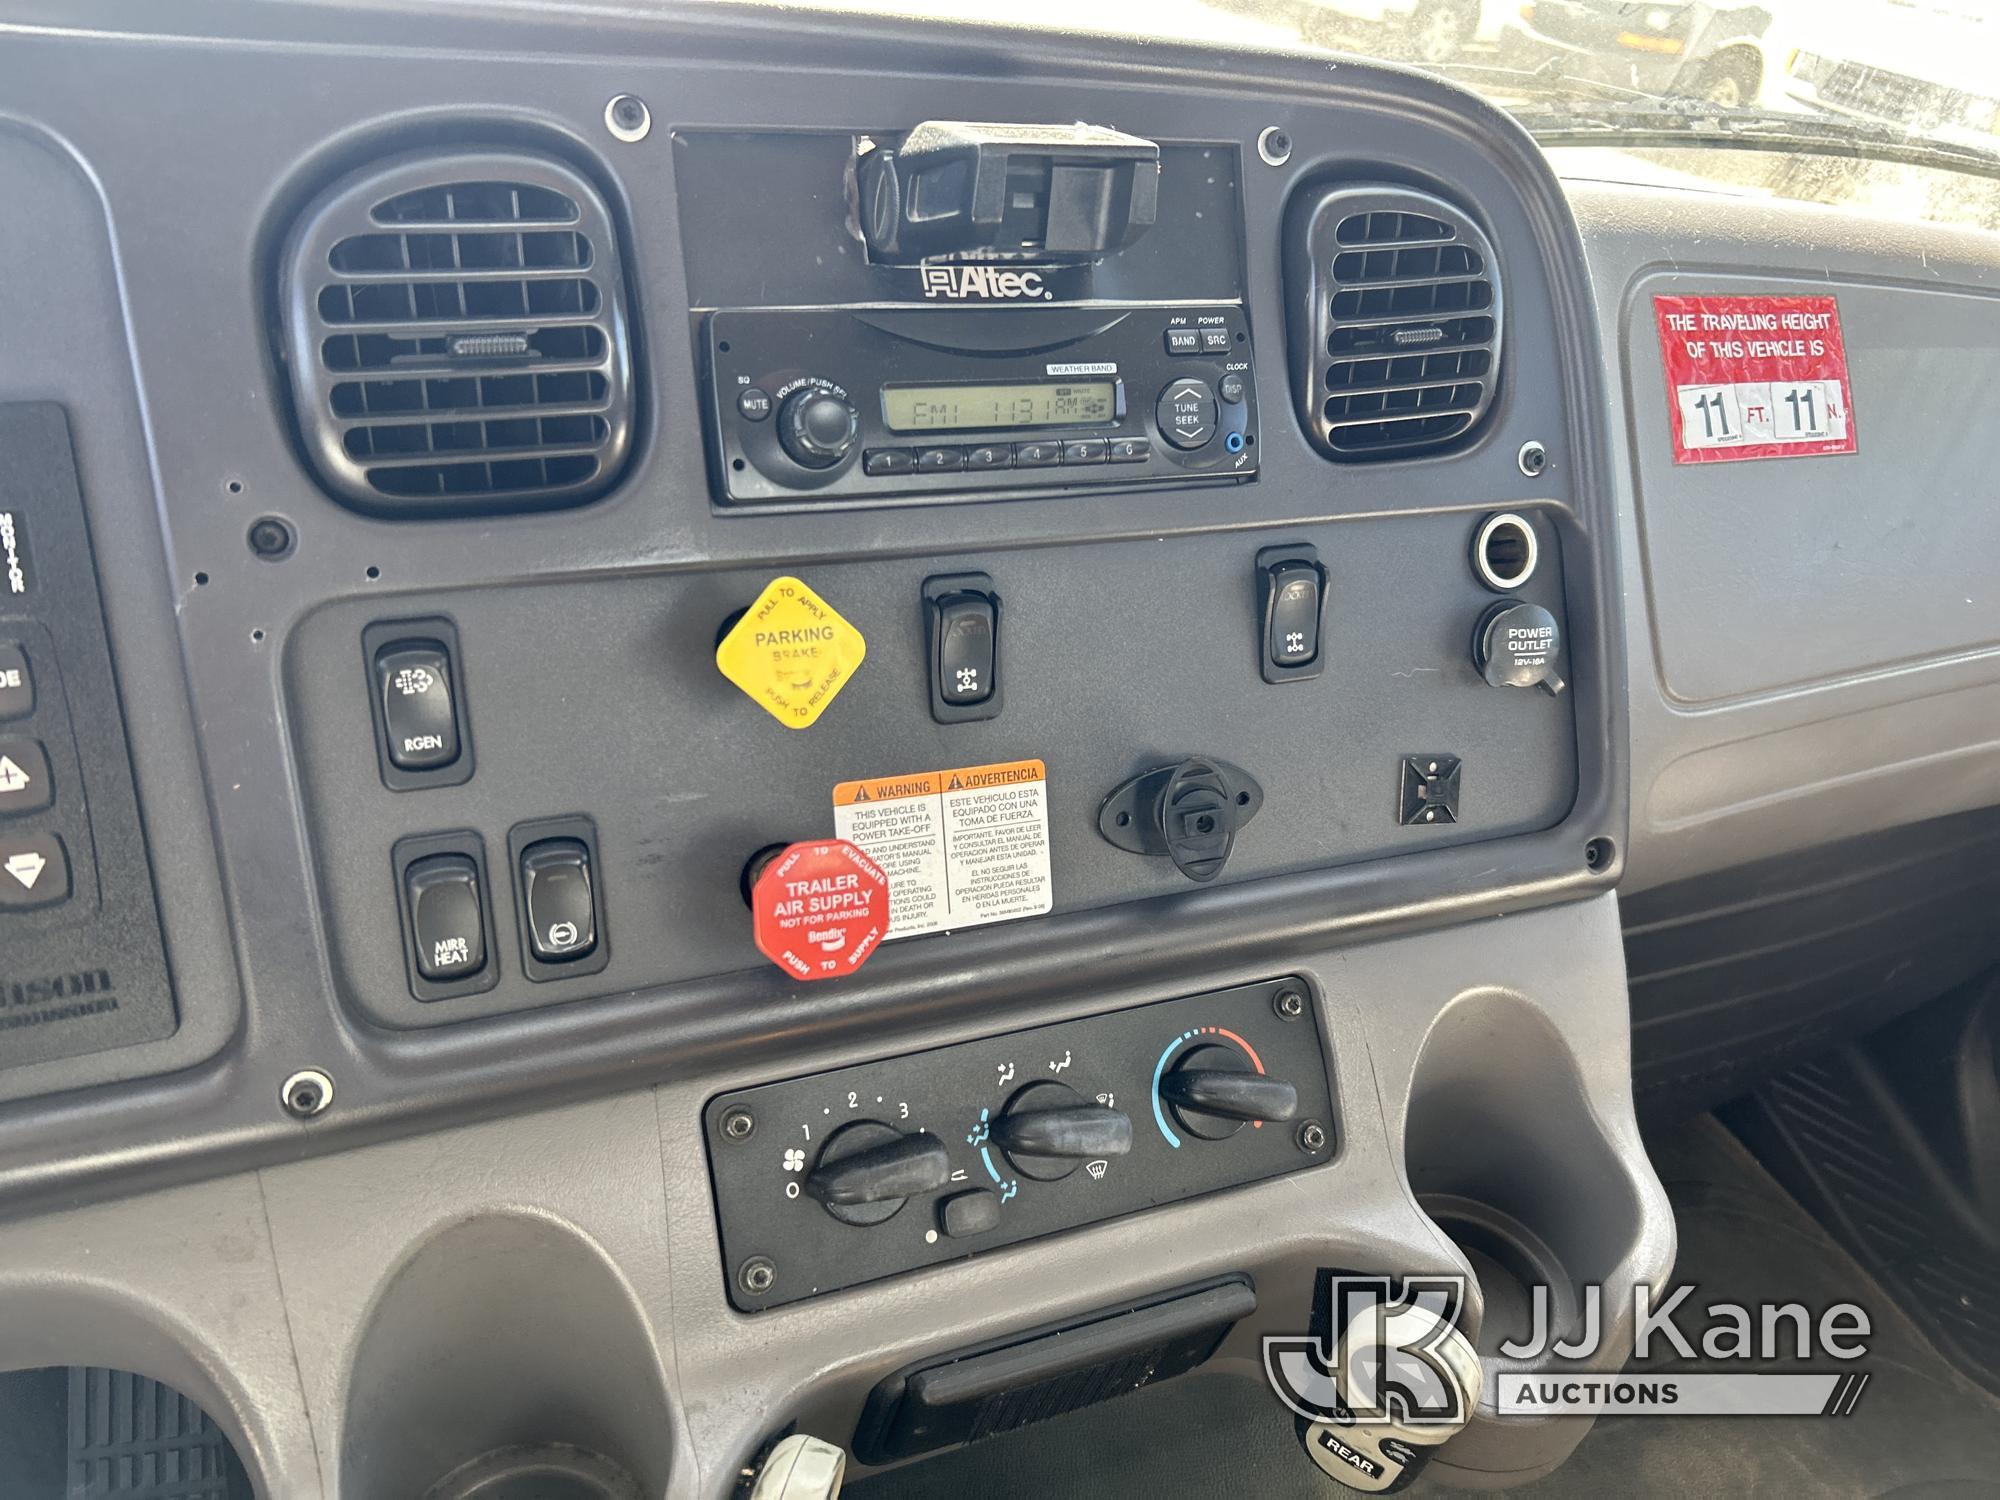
<point x="1213" y="1093"/>
<point x="868" y="1170"/>
<point x="1049" y="1130"/>
<point x="816" y="427"/>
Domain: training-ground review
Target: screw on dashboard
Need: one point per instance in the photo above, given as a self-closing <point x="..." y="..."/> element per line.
<point x="627" y="118"/>
<point x="306" y="1093"/>
<point x="1311" y="1137"/>
<point x="270" y="539"/>
<point x="756" y="1275"/>
<point x="739" y="1124"/>
<point x="1289" y="1004"/>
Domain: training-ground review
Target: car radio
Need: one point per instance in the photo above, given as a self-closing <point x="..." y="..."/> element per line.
<point x="894" y="402"/>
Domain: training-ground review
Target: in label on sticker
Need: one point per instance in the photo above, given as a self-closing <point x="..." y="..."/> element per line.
<point x="1755" y="377"/>
<point x="961" y="848"/>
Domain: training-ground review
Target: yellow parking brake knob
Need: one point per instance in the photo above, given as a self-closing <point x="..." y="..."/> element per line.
<point x="791" y="652"/>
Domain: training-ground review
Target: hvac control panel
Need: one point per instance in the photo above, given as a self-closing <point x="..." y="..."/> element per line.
<point x="830" y="1181"/>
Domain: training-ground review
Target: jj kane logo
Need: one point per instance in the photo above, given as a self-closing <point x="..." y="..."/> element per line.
<point x="1383" y="1352"/>
<point x="984" y="284"/>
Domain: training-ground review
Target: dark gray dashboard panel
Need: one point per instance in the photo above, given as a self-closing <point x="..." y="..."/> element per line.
<point x="1802" y="556"/>
<point x="1820" y="656"/>
<point x="194" y="446"/>
<point x="1116" y="657"/>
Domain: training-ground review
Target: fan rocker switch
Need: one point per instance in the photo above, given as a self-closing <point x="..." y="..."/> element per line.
<point x="962" y="624"/>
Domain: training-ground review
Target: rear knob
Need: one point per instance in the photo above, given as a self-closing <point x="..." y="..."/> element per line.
<point x="817" y="428"/>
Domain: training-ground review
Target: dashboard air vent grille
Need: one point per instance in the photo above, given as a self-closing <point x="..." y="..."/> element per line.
<point x="457" y="336"/>
<point x="1403" y="335"/>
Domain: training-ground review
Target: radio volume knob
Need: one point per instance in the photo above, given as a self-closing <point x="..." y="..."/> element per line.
<point x="817" y="428"/>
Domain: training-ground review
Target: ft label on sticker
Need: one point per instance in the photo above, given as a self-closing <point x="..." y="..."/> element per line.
<point x="1755" y="377"/>
<point x="961" y="848"/>
<point x="791" y="652"/>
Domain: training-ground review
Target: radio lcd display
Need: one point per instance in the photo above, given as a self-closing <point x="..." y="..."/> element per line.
<point x="986" y="408"/>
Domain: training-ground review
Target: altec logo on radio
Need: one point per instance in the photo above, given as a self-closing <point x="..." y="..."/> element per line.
<point x="989" y="283"/>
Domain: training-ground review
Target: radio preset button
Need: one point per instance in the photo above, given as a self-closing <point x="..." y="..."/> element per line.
<point x="939" y="460"/>
<point x="1130" y="450"/>
<point x="1037" y="455"/>
<point x="991" y="456"/>
<point x="1231" y="389"/>
<point x="1215" y="341"/>
<point x="1186" y="413"/>
<point x="1084" y="451"/>
<point x="887" y="461"/>
<point x="754" y="404"/>
<point x="1183" y="341"/>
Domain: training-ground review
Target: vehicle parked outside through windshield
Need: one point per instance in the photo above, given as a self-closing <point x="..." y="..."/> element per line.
<point x="1890" y="107"/>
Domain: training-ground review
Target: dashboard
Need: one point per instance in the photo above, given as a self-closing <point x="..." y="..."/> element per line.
<point x="709" y="675"/>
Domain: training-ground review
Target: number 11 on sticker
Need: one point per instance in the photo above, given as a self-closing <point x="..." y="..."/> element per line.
<point x="1802" y="410"/>
<point x="1710" y="417"/>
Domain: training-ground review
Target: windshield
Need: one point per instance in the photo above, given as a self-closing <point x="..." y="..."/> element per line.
<point x="1888" y="106"/>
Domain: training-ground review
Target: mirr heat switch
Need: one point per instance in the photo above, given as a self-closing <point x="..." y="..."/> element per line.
<point x="1293" y="588"/>
<point x="963" y="618"/>
<point x="447" y="921"/>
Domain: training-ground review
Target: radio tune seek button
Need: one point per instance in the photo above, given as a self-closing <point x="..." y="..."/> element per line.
<point x="1186" y="413"/>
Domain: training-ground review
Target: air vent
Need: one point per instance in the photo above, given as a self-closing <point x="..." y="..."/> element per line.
<point x="1396" y="321"/>
<point x="457" y="338"/>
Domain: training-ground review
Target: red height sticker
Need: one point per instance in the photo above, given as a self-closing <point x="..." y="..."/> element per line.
<point x="1755" y="377"/>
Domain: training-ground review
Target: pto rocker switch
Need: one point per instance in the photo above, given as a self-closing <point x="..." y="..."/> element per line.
<point x="1213" y="1093"/>
<point x="1049" y="1130"/>
<point x="868" y="1170"/>
<point x="962" y="625"/>
<point x="1519" y="645"/>
<point x="1291" y="585"/>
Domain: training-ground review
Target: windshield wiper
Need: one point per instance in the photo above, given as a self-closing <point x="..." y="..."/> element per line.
<point x="1695" y="122"/>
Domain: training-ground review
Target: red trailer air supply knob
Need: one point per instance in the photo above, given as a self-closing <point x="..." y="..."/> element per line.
<point x="819" y="908"/>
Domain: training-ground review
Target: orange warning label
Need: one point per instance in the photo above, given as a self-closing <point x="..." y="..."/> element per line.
<point x="961" y="847"/>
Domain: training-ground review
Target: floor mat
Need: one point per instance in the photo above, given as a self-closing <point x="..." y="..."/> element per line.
<point x="94" y="1434"/>
<point x="1920" y="1430"/>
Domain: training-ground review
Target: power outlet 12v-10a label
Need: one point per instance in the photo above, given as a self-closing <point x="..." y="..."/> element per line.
<point x="1755" y="377"/>
<point x="961" y="848"/>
